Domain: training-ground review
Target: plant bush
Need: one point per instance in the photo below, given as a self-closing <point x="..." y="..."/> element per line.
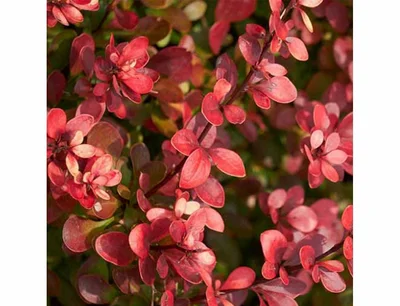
<point x="199" y="152"/>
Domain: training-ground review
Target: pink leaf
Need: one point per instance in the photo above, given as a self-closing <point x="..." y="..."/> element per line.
<point x="275" y="5"/>
<point x="336" y="157"/>
<point x="56" y="174"/>
<point x="211" y="193"/>
<point x="226" y="69"/>
<point x="228" y="162"/>
<point x="332" y="281"/>
<point x="303" y="218"/>
<point x="307" y="21"/>
<point x="255" y="30"/>
<point x="310" y="3"/>
<point x="317" y="138"/>
<point x="80" y="42"/>
<point x="297" y="48"/>
<point x="185" y="141"/>
<point x="307" y="257"/>
<point x="56" y="122"/>
<point x="274" y="245"/>
<point x="167" y="299"/>
<point x="94" y="289"/>
<point x="281" y="89"/>
<point x="147" y="270"/>
<point x="329" y="172"/>
<point x="347" y="218"/>
<point x="214" y="220"/>
<point x="128" y="20"/>
<point x="139" y="240"/>
<point x="196" y="169"/>
<point x="217" y="34"/>
<point x="240" y="278"/>
<point x="277" y="198"/>
<point x="78" y="232"/>
<point x="250" y="48"/>
<point x="332" y="142"/>
<point x="114" y="247"/>
<point x="320" y="116"/>
<point x="234" y="114"/>
<point x="210" y="108"/>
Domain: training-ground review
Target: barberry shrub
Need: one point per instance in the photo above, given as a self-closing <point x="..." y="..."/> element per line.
<point x="199" y="152"/>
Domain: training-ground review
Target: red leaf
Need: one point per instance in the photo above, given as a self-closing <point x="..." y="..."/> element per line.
<point x="277" y="198"/>
<point x="210" y="297"/>
<point x="80" y="42"/>
<point x="147" y="270"/>
<point x="217" y="34"/>
<point x="240" y="278"/>
<point x="337" y="15"/>
<point x="317" y="138"/>
<point x="274" y="244"/>
<point x="162" y="266"/>
<point x="276" y="5"/>
<point x="228" y="162"/>
<point x="128" y="20"/>
<point x="210" y="108"/>
<point x="307" y="21"/>
<point x="56" y="122"/>
<point x="329" y="172"/>
<point x="234" y="10"/>
<point x="56" y="174"/>
<point x="226" y="69"/>
<point x="106" y="137"/>
<point x="283" y="275"/>
<point x="197" y="124"/>
<point x="297" y="48"/>
<point x="281" y="89"/>
<point x="250" y="48"/>
<point x="303" y="218"/>
<point x="320" y="116"/>
<point x="94" y="289"/>
<point x="332" y="281"/>
<point x="348" y="248"/>
<point x="174" y="62"/>
<point x="211" y="193"/>
<point x="139" y="83"/>
<point x="307" y="257"/>
<point x="260" y="97"/>
<point x="214" y="220"/>
<point x="91" y="107"/>
<point x="332" y="142"/>
<point x="127" y="279"/>
<point x="167" y="299"/>
<point x="140" y="156"/>
<point x="347" y="218"/>
<point x="56" y="83"/>
<point x="196" y="169"/>
<point x="234" y="114"/>
<point x="185" y="141"/>
<point x="143" y="202"/>
<point x="114" y="247"/>
<point x="269" y="270"/>
<point x="292" y="290"/>
<point x="336" y="157"/>
<point x="139" y="240"/>
<point x="78" y="232"/>
<point x="255" y="30"/>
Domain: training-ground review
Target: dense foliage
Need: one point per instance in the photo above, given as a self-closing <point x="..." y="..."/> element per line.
<point x="199" y="152"/>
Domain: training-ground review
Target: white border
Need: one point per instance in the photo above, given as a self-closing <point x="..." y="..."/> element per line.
<point x="23" y="149"/>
